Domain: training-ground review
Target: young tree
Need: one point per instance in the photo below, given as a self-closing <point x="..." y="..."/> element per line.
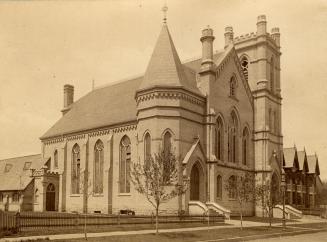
<point x="268" y="196"/>
<point x="242" y="189"/>
<point x="159" y="179"/>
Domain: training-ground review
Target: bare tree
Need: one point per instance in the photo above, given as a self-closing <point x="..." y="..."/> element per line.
<point x="242" y="189"/>
<point x="159" y="179"/>
<point x="268" y="196"/>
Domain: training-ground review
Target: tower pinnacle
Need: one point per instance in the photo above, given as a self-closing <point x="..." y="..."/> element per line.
<point x="164" y="10"/>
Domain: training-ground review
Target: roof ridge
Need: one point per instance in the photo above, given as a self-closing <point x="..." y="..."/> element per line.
<point x="7" y="159"/>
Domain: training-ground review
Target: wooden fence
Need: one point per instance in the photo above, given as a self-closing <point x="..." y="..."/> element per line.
<point x="26" y="221"/>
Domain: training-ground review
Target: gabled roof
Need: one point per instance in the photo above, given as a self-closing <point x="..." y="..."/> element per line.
<point x="313" y="164"/>
<point x="290" y="157"/>
<point x="302" y="158"/>
<point x="18" y="176"/>
<point x="165" y="68"/>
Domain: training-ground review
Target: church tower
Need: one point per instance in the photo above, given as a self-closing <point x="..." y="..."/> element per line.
<point x="259" y="54"/>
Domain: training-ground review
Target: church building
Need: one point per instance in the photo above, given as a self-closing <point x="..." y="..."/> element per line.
<point x="220" y="113"/>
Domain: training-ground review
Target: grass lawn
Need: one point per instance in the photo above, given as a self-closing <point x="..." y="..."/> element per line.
<point x="227" y="233"/>
<point x="108" y="228"/>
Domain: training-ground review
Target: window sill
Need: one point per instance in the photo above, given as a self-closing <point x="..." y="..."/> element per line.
<point x="98" y="195"/>
<point x="233" y="97"/>
<point x="75" y="195"/>
<point x="232" y="199"/>
<point x="124" y="194"/>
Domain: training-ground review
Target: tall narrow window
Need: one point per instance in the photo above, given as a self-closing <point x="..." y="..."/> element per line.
<point x="220" y="136"/>
<point x="98" y="167"/>
<point x="124" y="166"/>
<point x="232" y="87"/>
<point x="232" y="187"/>
<point x="272" y="76"/>
<point x="167" y="154"/>
<point x="214" y="142"/>
<point x="219" y="187"/>
<point x="275" y="122"/>
<point x="76" y="170"/>
<point x="55" y="159"/>
<point x="147" y="147"/>
<point x="245" y="67"/>
<point x="245" y="146"/>
<point x="232" y="139"/>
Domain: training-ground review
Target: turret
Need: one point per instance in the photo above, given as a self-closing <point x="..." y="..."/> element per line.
<point x="68" y="98"/>
<point x="207" y="48"/>
<point x="276" y="35"/>
<point x="261" y="25"/>
<point x="229" y="35"/>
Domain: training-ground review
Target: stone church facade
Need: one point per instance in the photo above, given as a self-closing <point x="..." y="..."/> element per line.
<point x="221" y="114"/>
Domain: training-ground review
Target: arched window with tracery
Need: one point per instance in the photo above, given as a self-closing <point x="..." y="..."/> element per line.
<point x="245" y="67"/>
<point x="232" y="187"/>
<point x="219" y="187"/>
<point x="167" y="154"/>
<point x="76" y="170"/>
<point x="98" y="167"/>
<point x="232" y="86"/>
<point x="220" y="139"/>
<point x="124" y="165"/>
<point x="233" y="139"/>
<point x="55" y="159"/>
<point x="272" y="74"/>
<point x="245" y="146"/>
<point x="147" y="147"/>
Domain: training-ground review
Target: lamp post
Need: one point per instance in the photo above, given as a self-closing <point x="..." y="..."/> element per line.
<point x="283" y="186"/>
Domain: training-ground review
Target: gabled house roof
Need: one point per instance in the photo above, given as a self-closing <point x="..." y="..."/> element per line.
<point x="290" y="158"/>
<point x="302" y="158"/>
<point x="15" y="172"/>
<point x="313" y="164"/>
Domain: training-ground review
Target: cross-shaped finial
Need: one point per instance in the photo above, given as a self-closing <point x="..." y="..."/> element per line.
<point x="164" y="10"/>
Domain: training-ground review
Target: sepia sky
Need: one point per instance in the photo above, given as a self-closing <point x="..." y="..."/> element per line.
<point x="46" y="44"/>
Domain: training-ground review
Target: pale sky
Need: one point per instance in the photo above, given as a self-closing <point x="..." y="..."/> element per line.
<point x="46" y="44"/>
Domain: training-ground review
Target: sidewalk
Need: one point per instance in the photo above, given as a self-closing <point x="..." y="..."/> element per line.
<point x="234" y="223"/>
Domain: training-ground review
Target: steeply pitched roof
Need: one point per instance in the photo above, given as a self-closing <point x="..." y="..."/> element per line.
<point x="289" y="156"/>
<point x="102" y="107"/>
<point x="313" y="164"/>
<point x="302" y="159"/>
<point x="165" y="68"/>
<point x="15" y="172"/>
<point x="115" y="104"/>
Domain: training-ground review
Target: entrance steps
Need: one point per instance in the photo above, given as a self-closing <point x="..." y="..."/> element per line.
<point x="219" y="209"/>
<point x="200" y="208"/>
<point x="290" y="212"/>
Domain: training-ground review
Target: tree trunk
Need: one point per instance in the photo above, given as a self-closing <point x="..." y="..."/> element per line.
<point x="85" y="234"/>
<point x="270" y="215"/>
<point x="241" y="213"/>
<point x="157" y="212"/>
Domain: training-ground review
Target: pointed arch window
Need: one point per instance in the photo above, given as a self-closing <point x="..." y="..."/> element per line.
<point x="245" y="67"/>
<point x="55" y="159"/>
<point x="167" y="154"/>
<point x="272" y="74"/>
<point x="124" y="165"/>
<point x="76" y="170"/>
<point x="245" y="146"/>
<point x="233" y="139"/>
<point x="98" y="167"/>
<point x="220" y="138"/>
<point x="147" y="147"/>
<point x="232" y="187"/>
<point x="232" y="87"/>
<point x="219" y="187"/>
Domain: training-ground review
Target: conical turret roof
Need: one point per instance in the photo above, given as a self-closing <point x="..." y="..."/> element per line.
<point x="165" y="68"/>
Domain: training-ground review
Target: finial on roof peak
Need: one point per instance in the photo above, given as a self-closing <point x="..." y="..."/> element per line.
<point x="164" y="10"/>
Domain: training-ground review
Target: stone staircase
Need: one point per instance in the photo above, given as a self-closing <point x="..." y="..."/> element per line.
<point x="290" y="212"/>
<point x="200" y="208"/>
<point x="219" y="209"/>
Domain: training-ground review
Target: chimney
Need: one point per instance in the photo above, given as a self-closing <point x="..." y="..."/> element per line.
<point x="229" y="36"/>
<point x="207" y="48"/>
<point x="68" y="98"/>
<point x="261" y="25"/>
<point x="276" y="35"/>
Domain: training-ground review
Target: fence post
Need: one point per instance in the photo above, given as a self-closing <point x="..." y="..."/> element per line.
<point x="17" y="225"/>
